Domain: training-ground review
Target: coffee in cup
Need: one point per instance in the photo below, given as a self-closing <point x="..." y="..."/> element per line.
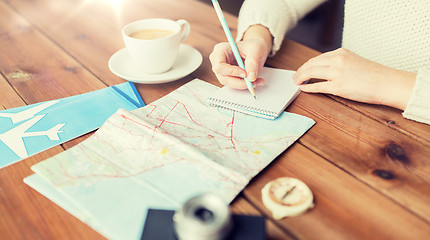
<point x="148" y="34"/>
<point x="153" y="44"/>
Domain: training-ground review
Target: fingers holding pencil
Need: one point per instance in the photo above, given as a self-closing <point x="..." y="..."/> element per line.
<point x="232" y="44"/>
<point x="227" y="71"/>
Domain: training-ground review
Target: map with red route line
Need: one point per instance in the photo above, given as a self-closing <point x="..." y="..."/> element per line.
<point x="159" y="156"/>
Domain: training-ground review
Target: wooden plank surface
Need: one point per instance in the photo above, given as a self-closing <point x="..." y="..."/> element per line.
<point x="392" y="118"/>
<point x="39" y="73"/>
<point x="383" y="157"/>
<point x="368" y="167"/>
<point x="385" y="115"/>
<point x="26" y="214"/>
<point x="20" y="64"/>
<point x="101" y="37"/>
<point x="344" y="207"/>
<point x="8" y="96"/>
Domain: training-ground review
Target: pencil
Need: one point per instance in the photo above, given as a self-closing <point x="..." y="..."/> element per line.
<point x="232" y="43"/>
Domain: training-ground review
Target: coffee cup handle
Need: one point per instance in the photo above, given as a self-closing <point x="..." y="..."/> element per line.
<point x="185" y="26"/>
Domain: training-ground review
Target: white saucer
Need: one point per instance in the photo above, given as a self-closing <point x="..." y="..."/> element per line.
<point x="189" y="59"/>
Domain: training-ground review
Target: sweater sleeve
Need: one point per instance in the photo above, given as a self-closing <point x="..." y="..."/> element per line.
<point x="279" y="16"/>
<point x="418" y="108"/>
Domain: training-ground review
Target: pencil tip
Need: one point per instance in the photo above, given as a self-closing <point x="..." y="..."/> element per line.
<point x="255" y="97"/>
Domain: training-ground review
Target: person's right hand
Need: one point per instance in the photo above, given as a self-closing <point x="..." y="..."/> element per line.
<point x="254" y="49"/>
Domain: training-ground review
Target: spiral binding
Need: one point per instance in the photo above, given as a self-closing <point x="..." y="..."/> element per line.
<point x="239" y="107"/>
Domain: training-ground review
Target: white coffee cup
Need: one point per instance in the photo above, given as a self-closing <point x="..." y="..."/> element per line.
<point x="155" y="45"/>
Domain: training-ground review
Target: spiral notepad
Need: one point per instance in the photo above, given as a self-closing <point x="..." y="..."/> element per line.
<point x="277" y="93"/>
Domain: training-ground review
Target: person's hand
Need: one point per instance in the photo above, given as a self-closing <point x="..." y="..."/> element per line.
<point x="254" y="49"/>
<point x="351" y="76"/>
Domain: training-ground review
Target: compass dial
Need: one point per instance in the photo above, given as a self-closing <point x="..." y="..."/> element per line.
<point x="287" y="197"/>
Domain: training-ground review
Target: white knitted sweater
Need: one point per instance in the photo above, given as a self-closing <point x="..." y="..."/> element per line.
<point x="395" y="33"/>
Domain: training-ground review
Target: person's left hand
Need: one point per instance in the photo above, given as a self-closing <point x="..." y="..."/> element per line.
<point x="351" y="76"/>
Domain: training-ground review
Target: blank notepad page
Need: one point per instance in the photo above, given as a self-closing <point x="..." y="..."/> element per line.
<point x="277" y="93"/>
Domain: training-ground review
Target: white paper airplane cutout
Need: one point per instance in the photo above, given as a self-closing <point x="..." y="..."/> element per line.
<point x="13" y="138"/>
<point x="29" y="113"/>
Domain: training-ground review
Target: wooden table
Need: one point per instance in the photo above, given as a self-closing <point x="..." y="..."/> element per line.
<point x="368" y="167"/>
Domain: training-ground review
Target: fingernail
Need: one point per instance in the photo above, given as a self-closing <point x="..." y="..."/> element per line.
<point x="251" y="76"/>
<point x="242" y="75"/>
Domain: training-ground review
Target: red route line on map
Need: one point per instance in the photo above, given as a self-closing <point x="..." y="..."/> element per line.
<point x="231" y="137"/>
<point x="186" y="109"/>
<point x="190" y="117"/>
<point x="231" y="130"/>
<point x="134" y="121"/>
<point x="154" y="107"/>
<point x="118" y="170"/>
<point x="120" y="173"/>
<point x="164" y="120"/>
